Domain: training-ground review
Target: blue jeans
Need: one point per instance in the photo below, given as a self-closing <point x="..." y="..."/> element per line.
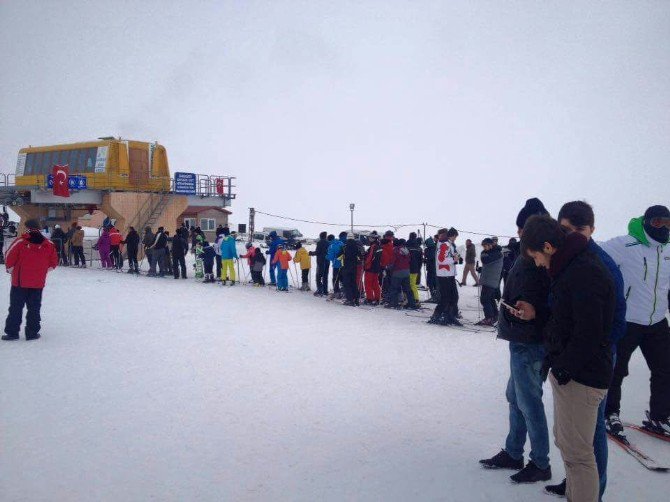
<point x="282" y="279"/>
<point x="600" y="442"/>
<point x="526" y="410"/>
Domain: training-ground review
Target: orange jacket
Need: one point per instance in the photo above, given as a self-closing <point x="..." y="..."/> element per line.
<point x="115" y="237"/>
<point x="283" y="257"/>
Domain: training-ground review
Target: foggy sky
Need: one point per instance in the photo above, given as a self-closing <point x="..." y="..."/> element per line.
<point x="452" y="113"/>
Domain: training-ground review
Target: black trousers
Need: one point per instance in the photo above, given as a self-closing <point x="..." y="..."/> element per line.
<point x="349" y="282"/>
<point x="116" y="256"/>
<point x="322" y="268"/>
<point x="257" y="277"/>
<point x="488" y="301"/>
<point x="132" y="259"/>
<point x="431" y="280"/>
<point x="218" y="266"/>
<point x="305" y="276"/>
<point x="337" y="279"/>
<point x="448" y="304"/>
<point x="177" y="262"/>
<point x="32" y="299"/>
<point x="78" y="252"/>
<point x="386" y="285"/>
<point x="654" y="341"/>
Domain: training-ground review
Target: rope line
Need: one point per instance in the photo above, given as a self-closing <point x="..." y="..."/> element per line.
<point x="395" y="226"/>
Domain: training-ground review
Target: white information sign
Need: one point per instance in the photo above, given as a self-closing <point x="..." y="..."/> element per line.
<point x="21" y="164"/>
<point x="101" y="159"/>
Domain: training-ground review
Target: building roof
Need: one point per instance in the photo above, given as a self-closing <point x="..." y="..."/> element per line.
<point x="200" y="209"/>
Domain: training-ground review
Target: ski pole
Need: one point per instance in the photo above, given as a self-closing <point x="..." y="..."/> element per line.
<point x="239" y="279"/>
<point x="295" y="267"/>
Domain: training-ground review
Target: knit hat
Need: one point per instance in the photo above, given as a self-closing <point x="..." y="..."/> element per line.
<point x="323" y="235"/>
<point x="248" y="245"/>
<point x="226" y="231"/>
<point x="533" y="206"/>
<point x="32" y="224"/>
<point x="350" y="235"/>
<point x="388" y="233"/>
<point x="343" y="235"/>
<point x="452" y="232"/>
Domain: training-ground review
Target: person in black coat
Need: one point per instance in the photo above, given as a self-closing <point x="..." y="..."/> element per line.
<point x="179" y="250"/>
<point x="577" y="337"/>
<point x="322" y="264"/>
<point x="132" y="242"/>
<point x="351" y="253"/>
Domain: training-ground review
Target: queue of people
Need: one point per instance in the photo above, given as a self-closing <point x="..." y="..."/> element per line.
<point x="571" y="311"/>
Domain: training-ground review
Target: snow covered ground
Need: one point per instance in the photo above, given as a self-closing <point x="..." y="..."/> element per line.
<point x="163" y="389"/>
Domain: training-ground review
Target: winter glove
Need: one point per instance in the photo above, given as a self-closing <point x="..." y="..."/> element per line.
<point x="561" y="376"/>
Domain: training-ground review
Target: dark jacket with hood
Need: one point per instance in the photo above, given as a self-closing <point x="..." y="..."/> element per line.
<point x="582" y="314"/>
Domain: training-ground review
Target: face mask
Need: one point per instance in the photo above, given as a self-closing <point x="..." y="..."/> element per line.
<point x="658" y="228"/>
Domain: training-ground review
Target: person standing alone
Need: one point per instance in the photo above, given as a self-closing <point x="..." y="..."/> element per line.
<point x="29" y="259"/>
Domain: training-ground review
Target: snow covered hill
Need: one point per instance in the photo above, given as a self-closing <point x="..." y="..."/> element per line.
<point x="163" y="389"/>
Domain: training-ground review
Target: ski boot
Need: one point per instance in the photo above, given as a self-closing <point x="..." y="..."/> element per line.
<point x="613" y="425"/>
<point x="661" y="427"/>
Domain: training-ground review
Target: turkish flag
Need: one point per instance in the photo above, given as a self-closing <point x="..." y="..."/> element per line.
<point x="219" y="186"/>
<point x="61" y="187"/>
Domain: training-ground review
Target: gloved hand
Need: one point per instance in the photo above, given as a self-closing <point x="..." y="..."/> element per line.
<point x="561" y="376"/>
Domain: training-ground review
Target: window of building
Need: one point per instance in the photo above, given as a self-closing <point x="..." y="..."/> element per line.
<point x="190" y="222"/>
<point x="207" y="224"/>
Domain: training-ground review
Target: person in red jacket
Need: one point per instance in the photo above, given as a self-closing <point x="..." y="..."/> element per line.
<point x="29" y="259"/>
<point x="386" y="262"/>
<point x="115" y="240"/>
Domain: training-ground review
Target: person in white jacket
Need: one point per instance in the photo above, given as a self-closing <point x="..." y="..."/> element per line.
<point x="446" y="258"/>
<point x="643" y="256"/>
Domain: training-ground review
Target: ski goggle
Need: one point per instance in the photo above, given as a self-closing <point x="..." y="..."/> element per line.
<point x="660" y="222"/>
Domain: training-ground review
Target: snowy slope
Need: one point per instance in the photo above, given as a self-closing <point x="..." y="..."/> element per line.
<point x="163" y="389"/>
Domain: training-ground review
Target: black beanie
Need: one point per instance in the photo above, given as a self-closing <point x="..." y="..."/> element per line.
<point x="662" y="234"/>
<point x="533" y="206"/>
<point x="32" y="224"/>
<point x="323" y="235"/>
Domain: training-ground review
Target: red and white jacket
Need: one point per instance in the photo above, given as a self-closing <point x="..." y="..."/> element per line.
<point x="445" y="264"/>
<point x="29" y="259"/>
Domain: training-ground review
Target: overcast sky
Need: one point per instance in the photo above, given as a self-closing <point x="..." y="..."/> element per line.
<point x="449" y="112"/>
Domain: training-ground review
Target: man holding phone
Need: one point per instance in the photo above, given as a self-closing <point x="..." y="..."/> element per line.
<point x="521" y="323"/>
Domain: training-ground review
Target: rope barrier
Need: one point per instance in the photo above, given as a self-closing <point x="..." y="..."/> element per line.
<point x="395" y="226"/>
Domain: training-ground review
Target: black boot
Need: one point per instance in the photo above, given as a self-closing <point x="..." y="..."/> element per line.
<point x="531" y="474"/>
<point x="558" y="490"/>
<point x="502" y="461"/>
<point x="10" y="337"/>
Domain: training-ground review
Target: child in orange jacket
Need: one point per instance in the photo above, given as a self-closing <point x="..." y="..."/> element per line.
<point x="282" y="257"/>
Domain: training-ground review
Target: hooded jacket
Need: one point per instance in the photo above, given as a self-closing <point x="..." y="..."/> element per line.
<point x="115" y="237"/>
<point x="228" y="248"/>
<point x="645" y="266"/>
<point x="334" y="252"/>
<point x="29" y="259"/>
<point x="416" y="257"/>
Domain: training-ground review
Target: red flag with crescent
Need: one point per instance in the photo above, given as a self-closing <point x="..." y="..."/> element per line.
<point x="61" y="186"/>
<point x="219" y="186"/>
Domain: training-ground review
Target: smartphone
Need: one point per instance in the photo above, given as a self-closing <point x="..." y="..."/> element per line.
<point x="509" y="307"/>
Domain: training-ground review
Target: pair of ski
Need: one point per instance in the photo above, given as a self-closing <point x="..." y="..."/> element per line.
<point x="466" y="325"/>
<point x="635" y="452"/>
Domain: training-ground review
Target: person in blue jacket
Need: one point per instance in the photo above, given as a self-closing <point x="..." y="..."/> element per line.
<point x="275" y="241"/>
<point x="577" y="216"/>
<point x="228" y="252"/>
<point x="333" y="255"/>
